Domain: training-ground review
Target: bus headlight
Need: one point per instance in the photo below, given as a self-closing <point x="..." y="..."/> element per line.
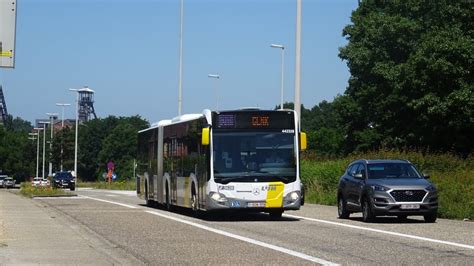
<point x="292" y="197"/>
<point x="218" y="197"/>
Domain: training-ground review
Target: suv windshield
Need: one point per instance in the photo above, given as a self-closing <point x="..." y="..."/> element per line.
<point x="63" y="175"/>
<point x="238" y="155"/>
<point x="392" y="170"/>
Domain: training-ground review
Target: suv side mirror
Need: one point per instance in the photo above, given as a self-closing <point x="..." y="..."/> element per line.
<point x="426" y="176"/>
<point x="359" y="176"/>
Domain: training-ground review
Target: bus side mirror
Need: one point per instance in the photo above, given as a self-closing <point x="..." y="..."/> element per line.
<point x="303" y="142"/>
<point x="205" y="136"/>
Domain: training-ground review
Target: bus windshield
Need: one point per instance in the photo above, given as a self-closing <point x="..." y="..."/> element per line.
<point x="243" y="156"/>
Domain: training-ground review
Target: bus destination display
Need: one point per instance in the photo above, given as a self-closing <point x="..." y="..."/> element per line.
<point x="260" y="120"/>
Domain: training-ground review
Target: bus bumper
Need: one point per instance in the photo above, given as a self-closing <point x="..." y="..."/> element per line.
<point x="233" y="203"/>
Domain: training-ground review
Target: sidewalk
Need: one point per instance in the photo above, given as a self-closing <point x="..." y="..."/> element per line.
<point x="32" y="233"/>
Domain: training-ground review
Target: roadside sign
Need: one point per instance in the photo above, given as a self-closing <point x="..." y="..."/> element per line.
<point x="7" y="33"/>
<point x="110" y="166"/>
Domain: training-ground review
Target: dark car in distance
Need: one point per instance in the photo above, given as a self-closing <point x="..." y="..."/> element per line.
<point x="64" y="180"/>
<point x="386" y="188"/>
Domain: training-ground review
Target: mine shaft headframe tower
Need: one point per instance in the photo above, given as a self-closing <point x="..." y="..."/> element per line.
<point x="3" y="108"/>
<point x="86" y="104"/>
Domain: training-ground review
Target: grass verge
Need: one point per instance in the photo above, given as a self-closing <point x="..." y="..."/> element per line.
<point x="453" y="176"/>
<point x="27" y="190"/>
<point x="116" y="185"/>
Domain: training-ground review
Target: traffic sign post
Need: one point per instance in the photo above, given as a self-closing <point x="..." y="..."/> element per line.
<point x="110" y="171"/>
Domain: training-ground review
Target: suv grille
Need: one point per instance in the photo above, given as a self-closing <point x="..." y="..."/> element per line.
<point x="408" y="195"/>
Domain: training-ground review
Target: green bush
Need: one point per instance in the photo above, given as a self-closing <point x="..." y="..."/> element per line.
<point x="27" y="190"/>
<point x="115" y="185"/>
<point x="453" y="176"/>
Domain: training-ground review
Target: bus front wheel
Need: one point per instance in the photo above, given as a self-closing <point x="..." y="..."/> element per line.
<point x="275" y="214"/>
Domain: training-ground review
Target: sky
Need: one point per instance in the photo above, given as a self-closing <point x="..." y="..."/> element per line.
<point x="127" y="51"/>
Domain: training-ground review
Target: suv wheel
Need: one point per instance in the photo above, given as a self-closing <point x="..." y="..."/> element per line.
<point x="402" y="218"/>
<point x="430" y="218"/>
<point x="342" y="209"/>
<point x="367" y="213"/>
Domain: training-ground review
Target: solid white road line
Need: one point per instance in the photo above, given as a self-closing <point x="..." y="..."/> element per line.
<point x="383" y="232"/>
<point x="246" y="239"/>
<point x="224" y="233"/>
<point x="112" y="202"/>
<point x="57" y="198"/>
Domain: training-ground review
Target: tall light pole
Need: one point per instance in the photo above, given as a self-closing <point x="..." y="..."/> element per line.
<point x="180" y="85"/>
<point x="38" y="129"/>
<point x="44" y="143"/>
<point x="215" y="76"/>
<point x="62" y="116"/>
<point x="75" y="141"/>
<point x="51" y="117"/>
<point x="279" y="46"/>
<point x="298" y="62"/>
<point x="62" y="126"/>
<point x="37" y="135"/>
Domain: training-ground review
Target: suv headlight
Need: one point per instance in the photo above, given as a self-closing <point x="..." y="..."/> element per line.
<point x="379" y="188"/>
<point x="431" y="188"/>
<point x="218" y="197"/>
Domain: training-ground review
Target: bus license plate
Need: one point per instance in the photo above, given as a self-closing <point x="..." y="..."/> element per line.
<point x="410" y="206"/>
<point x="256" y="204"/>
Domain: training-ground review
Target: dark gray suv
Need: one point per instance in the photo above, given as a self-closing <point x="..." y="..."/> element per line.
<point x="386" y="187"/>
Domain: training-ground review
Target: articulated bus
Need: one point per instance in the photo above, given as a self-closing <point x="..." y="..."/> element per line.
<point x="223" y="160"/>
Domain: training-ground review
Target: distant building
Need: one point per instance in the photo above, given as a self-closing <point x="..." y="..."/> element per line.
<point x="57" y="123"/>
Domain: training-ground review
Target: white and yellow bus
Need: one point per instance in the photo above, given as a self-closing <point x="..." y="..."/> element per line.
<point x="242" y="160"/>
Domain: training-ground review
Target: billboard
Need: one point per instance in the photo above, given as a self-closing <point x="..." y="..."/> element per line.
<point x="7" y="33"/>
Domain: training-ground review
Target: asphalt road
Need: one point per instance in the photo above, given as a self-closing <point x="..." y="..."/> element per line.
<point x="312" y="235"/>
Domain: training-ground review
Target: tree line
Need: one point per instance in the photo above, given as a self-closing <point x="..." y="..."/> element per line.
<point x="411" y="85"/>
<point x="411" y="88"/>
<point x="100" y="141"/>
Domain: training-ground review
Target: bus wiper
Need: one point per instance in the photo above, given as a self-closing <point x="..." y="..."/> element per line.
<point x="282" y="178"/>
<point x="225" y="180"/>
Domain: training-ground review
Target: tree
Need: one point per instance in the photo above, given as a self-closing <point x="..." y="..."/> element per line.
<point x="63" y="139"/>
<point x="16" y="156"/>
<point x="120" y="146"/>
<point x="411" y="75"/>
<point x="18" y="125"/>
<point x="92" y="138"/>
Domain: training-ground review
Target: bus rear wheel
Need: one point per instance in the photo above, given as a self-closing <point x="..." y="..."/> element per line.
<point x="147" y="201"/>
<point x="167" y="203"/>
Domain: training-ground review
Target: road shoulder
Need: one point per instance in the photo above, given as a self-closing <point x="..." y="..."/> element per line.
<point x="33" y="233"/>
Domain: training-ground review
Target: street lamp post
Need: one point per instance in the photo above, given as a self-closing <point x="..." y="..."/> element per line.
<point x="75" y="141"/>
<point x="180" y="84"/>
<point x="62" y="116"/>
<point x="44" y="143"/>
<point x="215" y="76"/>
<point x="62" y="126"/>
<point x="51" y="117"/>
<point x="37" y="134"/>
<point x="279" y="46"/>
<point x="298" y="62"/>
